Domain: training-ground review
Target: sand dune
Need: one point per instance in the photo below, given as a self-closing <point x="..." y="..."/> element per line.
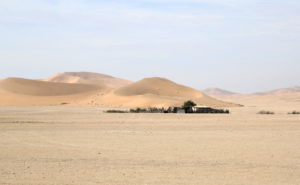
<point x="12" y="99"/>
<point x="153" y="92"/>
<point x="23" y="92"/>
<point x="148" y="100"/>
<point x="88" y="78"/>
<point x="218" y="92"/>
<point x="279" y="102"/>
<point x="281" y="91"/>
<point x="158" y="86"/>
<point x="149" y="92"/>
<point x="38" y="88"/>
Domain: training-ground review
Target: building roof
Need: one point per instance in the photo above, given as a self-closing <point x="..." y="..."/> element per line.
<point x="201" y="106"/>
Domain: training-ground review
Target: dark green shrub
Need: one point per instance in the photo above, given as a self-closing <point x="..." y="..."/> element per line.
<point x="138" y="110"/>
<point x="188" y="104"/>
<point x="294" y="112"/>
<point x="265" y="112"/>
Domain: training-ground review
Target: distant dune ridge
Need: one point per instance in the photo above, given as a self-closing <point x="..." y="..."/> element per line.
<point x="91" y="89"/>
<point x="88" y="78"/>
<point x="276" y="100"/>
<point x="218" y="92"/>
<point x="281" y="91"/>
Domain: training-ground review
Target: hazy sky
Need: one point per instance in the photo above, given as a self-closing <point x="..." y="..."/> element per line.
<point x="239" y="45"/>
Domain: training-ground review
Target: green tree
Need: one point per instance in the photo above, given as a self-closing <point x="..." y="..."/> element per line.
<point x="189" y="104"/>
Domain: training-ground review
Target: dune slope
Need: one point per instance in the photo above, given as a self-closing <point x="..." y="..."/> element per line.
<point x="158" y="86"/>
<point x="149" y="92"/>
<point x="153" y="92"/>
<point x="218" y="92"/>
<point x="39" y="88"/>
<point x="88" y="78"/>
<point x="281" y="91"/>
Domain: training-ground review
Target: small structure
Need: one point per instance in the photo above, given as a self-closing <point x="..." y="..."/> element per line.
<point x="181" y="111"/>
<point x="202" y="109"/>
<point x="205" y="109"/>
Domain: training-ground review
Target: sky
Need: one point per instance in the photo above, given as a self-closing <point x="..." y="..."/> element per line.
<point x="239" y="45"/>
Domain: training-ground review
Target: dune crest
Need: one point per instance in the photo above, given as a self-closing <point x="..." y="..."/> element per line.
<point x="281" y="91"/>
<point x="158" y="86"/>
<point x="88" y="78"/>
<point x="218" y="92"/>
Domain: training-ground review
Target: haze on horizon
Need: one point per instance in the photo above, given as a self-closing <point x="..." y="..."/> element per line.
<point x="238" y="45"/>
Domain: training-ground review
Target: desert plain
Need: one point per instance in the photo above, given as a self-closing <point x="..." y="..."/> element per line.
<point x="75" y="144"/>
<point x="65" y="145"/>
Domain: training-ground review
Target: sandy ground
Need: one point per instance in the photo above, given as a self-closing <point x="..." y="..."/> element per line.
<point x="63" y="145"/>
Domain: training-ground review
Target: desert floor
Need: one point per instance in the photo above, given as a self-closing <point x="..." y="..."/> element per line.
<point x="64" y="145"/>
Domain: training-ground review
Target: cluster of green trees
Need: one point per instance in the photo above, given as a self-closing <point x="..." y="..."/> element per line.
<point x="188" y="104"/>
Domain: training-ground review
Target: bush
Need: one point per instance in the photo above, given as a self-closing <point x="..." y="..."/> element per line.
<point x="116" y="111"/>
<point x="225" y="111"/>
<point x="294" y="112"/>
<point x="188" y="104"/>
<point x="64" y="103"/>
<point x="138" y="110"/>
<point x="265" y="112"/>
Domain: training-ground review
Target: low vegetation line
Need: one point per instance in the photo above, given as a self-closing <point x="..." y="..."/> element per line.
<point x="116" y="111"/>
<point x="294" y="112"/>
<point x="188" y="107"/>
<point x="265" y="112"/>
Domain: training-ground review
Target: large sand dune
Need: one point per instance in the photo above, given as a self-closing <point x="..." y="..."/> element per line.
<point x="88" y="78"/>
<point x="158" y="86"/>
<point x="149" y="92"/>
<point x="153" y="92"/>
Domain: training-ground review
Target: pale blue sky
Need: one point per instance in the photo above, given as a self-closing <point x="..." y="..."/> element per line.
<point x="239" y="45"/>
